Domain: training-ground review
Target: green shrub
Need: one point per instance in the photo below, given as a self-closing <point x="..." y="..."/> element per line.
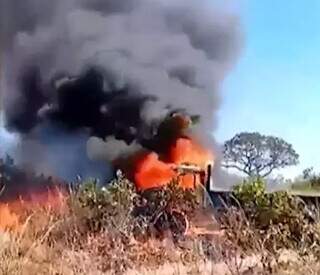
<point x="119" y="208"/>
<point x="108" y="208"/>
<point x="266" y="208"/>
<point x="272" y="220"/>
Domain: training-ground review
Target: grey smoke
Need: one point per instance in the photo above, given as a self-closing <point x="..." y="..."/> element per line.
<point x="177" y="51"/>
<point x="110" y="148"/>
<point x="50" y="151"/>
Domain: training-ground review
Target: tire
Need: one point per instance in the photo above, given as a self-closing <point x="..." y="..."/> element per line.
<point x="174" y="221"/>
<point x="179" y="224"/>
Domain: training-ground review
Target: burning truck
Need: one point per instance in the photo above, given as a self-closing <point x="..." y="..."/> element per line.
<point x="166" y="214"/>
<point x="175" y="158"/>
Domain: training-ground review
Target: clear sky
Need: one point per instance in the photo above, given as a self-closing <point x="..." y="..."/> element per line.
<point x="275" y="87"/>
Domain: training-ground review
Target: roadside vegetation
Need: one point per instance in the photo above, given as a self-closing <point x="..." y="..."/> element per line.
<point x="95" y="231"/>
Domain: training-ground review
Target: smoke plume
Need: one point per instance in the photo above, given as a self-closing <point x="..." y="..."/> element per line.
<point x="104" y="74"/>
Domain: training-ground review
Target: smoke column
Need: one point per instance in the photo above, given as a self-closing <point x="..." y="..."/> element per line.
<point x="101" y="75"/>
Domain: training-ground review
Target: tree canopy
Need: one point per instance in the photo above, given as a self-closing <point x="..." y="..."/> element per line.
<point x="258" y="155"/>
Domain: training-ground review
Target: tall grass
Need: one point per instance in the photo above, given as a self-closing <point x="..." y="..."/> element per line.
<point x="93" y="233"/>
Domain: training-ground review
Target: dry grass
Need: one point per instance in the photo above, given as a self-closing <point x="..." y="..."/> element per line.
<point x="92" y="233"/>
<point x="24" y="255"/>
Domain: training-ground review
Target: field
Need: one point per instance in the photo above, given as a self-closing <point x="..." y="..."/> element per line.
<point x="94" y="231"/>
<point x="305" y="188"/>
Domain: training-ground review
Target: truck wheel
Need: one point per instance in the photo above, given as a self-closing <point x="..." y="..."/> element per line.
<point x="173" y="221"/>
<point x="179" y="224"/>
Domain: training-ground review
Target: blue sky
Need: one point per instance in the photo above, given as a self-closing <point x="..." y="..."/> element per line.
<point x="275" y="87"/>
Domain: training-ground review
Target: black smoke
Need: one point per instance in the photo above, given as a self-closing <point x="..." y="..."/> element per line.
<point x="81" y="102"/>
<point x="110" y="72"/>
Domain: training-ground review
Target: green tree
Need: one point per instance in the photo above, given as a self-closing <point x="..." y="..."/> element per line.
<point x="258" y="155"/>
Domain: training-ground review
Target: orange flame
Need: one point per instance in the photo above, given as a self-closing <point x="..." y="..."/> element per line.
<point x="187" y="151"/>
<point x="8" y="219"/>
<point x="152" y="172"/>
<point x="12" y="212"/>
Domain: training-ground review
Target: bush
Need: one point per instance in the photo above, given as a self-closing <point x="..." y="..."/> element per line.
<point x="265" y="208"/>
<point x="120" y="209"/>
<point x="107" y="208"/>
<point x="276" y="220"/>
